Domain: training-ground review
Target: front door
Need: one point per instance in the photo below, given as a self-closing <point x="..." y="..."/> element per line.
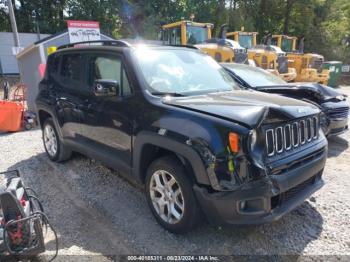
<point x="107" y="123"/>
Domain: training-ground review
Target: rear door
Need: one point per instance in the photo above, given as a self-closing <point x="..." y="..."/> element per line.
<point x="107" y="121"/>
<point x="69" y="95"/>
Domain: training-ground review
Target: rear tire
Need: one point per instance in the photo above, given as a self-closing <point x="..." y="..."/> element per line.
<point x="170" y="196"/>
<point x="53" y="145"/>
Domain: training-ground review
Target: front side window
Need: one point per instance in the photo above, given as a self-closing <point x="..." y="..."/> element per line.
<point x="172" y="36"/>
<point x="274" y="42"/>
<point x="109" y="68"/>
<point x="196" y="34"/>
<point x="246" y="41"/>
<point x="287" y="45"/>
<point x="182" y="71"/>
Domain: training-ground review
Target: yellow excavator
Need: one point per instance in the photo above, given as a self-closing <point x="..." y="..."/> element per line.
<point x="266" y="56"/>
<point x="308" y="66"/>
<point x="186" y="32"/>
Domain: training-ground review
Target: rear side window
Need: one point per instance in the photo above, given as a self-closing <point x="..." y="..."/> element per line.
<point x="72" y="66"/>
<point x="53" y="65"/>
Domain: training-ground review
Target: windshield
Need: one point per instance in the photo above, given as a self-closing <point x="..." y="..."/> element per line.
<point x="246" y="41"/>
<point x="196" y="35"/>
<point x="256" y="77"/>
<point x="286" y="45"/>
<point x="178" y="71"/>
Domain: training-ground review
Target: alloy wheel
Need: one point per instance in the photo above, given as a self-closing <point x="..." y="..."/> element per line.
<point x="50" y="140"/>
<point x="167" y="197"/>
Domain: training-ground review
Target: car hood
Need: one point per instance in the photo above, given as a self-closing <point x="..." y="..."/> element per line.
<point x="248" y="108"/>
<point x="321" y="92"/>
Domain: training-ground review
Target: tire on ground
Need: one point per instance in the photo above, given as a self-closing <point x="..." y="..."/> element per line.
<point x="191" y="214"/>
<point x="63" y="153"/>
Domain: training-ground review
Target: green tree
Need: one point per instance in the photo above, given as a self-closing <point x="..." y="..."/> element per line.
<point x="325" y="23"/>
<point x="4" y="19"/>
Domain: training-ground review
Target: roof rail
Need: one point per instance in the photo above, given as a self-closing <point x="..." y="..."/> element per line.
<point x="119" y="43"/>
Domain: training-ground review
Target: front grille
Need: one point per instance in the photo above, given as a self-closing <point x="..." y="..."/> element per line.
<point x="282" y="64"/>
<point x="291" y="135"/>
<point x="342" y="112"/>
<point x="240" y="57"/>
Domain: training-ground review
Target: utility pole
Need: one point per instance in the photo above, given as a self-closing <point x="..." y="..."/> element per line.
<point x="35" y="16"/>
<point x="13" y="23"/>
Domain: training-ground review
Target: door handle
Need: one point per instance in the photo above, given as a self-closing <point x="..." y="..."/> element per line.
<point x="63" y="101"/>
<point x="84" y="106"/>
<point x="60" y="100"/>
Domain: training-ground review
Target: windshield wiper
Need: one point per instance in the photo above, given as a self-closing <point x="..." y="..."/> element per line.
<point x="167" y="94"/>
<point x="274" y="85"/>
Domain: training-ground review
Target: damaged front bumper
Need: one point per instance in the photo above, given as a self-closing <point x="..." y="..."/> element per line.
<point x="336" y="117"/>
<point x="337" y="126"/>
<point x="266" y="199"/>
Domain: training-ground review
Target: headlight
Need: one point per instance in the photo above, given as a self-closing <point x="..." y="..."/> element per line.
<point x="340" y="97"/>
<point x="323" y="119"/>
<point x="253" y="139"/>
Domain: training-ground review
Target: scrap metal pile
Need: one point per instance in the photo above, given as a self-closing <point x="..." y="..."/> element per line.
<point x="22" y="219"/>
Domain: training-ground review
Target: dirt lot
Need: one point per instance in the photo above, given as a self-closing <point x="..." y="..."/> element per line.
<point x="97" y="213"/>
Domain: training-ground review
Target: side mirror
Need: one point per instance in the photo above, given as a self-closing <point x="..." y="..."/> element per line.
<point x="106" y="87"/>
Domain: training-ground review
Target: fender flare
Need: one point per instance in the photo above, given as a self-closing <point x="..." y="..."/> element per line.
<point x="54" y="119"/>
<point x="149" y="138"/>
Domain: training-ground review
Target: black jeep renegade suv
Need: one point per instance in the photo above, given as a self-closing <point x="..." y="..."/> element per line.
<point x="172" y="119"/>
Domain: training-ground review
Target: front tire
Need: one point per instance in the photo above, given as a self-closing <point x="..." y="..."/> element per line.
<point x="54" y="147"/>
<point x="170" y="196"/>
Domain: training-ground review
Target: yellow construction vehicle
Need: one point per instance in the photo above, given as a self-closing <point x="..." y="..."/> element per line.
<point x="307" y="65"/>
<point x="265" y="56"/>
<point x="245" y="39"/>
<point x="200" y="35"/>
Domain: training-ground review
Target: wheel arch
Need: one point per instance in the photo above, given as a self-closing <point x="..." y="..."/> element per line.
<point x="43" y="116"/>
<point x="149" y="146"/>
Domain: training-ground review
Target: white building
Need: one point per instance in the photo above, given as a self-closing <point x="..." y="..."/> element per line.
<point x="8" y="62"/>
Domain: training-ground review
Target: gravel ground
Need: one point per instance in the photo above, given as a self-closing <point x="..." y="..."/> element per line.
<point x="97" y="213"/>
